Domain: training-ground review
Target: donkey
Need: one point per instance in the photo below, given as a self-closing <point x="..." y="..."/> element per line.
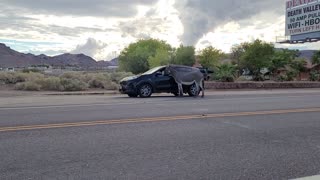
<point x="185" y="75"/>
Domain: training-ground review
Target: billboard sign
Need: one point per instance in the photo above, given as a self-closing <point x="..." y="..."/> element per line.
<point x="302" y="16"/>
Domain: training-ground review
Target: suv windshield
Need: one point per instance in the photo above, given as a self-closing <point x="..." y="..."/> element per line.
<point x="151" y="71"/>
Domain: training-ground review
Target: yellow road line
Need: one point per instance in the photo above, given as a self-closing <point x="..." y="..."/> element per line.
<point x="154" y="119"/>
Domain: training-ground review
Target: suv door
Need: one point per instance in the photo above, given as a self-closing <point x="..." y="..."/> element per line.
<point x="163" y="82"/>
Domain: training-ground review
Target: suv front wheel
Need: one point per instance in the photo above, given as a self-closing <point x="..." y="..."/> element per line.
<point x="145" y="90"/>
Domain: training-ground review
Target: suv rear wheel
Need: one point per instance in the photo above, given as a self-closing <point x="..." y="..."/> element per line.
<point x="193" y="90"/>
<point x="145" y="90"/>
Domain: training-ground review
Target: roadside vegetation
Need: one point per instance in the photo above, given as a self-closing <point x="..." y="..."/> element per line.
<point x="249" y="61"/>
<point x="71" y="81"/>
<point x="254" y="61"/>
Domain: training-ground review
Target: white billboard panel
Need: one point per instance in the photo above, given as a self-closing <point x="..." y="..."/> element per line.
<point x="302" y="16"/>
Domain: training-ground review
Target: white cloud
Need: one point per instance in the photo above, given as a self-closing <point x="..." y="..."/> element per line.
<point x="266" y="26"/>
<point x="232" y="33"/>
<point x="84" y="28"/>
<point x="77" y="33"/>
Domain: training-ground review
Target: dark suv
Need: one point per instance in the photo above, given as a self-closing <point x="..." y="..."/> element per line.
<point x="153" y="81"/>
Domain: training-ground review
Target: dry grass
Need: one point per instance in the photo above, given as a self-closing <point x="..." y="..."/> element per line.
<point x="71" y="81"/>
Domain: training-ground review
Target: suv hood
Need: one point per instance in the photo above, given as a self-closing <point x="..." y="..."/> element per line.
<point x="130" y="78"/>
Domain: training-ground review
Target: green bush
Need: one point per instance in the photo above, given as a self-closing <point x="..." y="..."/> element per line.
<point x="28" y="86"/>
<point x="282" y="78"/>
<point x="225" y="73"/>
<point x="314" y="76"/>
<point x="73" y="85"/>
<point x="258" y="77"/>
<point x="291" y="75"/>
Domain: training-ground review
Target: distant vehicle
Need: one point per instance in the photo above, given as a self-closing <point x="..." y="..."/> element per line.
<point x="10" y="69"/>
<point x="156" y="80"/>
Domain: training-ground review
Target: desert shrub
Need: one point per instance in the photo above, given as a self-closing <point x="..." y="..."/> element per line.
<point x="50" y="84"/>
<point x="73" y="84"/>
<point x="73" y="75"/>
<point x="7" y="78"/>
<point x="102" y="81"/>
<point x="20" y="77"/>
<point x="117" y="76"/>
<point x="12" y="77"/>
<point x="111" y="86"/>
<point x="33" y="76"/>
<point x="87" y="77"/>
<point x="28" y="86"/>
<point x="70" y="81"/>
<point x="96" y="83"/>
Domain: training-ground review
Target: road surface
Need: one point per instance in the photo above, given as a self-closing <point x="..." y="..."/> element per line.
<point x="226" y="135"/>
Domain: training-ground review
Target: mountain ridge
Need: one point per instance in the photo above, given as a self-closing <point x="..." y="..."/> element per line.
<point x="12" y="58"/>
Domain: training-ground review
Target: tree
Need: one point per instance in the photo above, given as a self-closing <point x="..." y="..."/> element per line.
<point x="135" y="57"/>
<point x="257" y="55"/>
<point x="237" y="52"/>
<point x="298" y="66"/>
<point x="185" y="55"/>
<point x="316" y="57"/>
<point x="210" y="56"/>
<point x="162" y="57"/>
<point x="281" y="59"/>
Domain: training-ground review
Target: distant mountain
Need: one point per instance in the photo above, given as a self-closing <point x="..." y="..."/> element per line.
<point x="12" y="58"/>
<point x="114" y="62"/>
<point x="78" y="60"/>
<point x="307" y="54"/>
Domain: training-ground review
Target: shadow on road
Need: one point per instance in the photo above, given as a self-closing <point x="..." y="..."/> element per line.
<point x="159" y="97"/>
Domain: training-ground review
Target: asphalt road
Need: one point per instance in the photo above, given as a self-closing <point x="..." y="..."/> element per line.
<point x="226" y="135"/>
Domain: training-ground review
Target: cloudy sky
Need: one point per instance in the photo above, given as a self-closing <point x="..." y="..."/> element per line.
<point x="102" y="28"/>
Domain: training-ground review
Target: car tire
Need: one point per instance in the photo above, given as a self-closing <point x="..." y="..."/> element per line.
<point x="133" y="95"/>
<point x="193" y="90"/>
<point x="145" y="90"/>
